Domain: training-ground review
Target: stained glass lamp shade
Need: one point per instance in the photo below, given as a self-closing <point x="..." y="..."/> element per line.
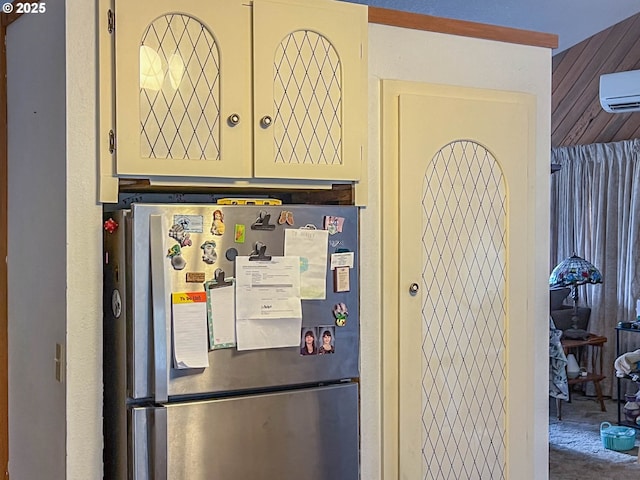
<point x="572" y="272"/>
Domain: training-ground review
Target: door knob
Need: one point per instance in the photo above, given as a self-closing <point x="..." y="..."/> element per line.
<point x="266" y="121"/>
<point x="234" y="119"/>
<point x="413" y="288"/>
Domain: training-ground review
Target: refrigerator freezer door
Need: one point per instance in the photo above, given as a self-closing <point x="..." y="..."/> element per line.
<point x="288" y="435"/>
<point x="230" y="369"/>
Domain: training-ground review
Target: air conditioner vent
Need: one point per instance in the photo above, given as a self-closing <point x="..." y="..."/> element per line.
<point x="625" y="107"/>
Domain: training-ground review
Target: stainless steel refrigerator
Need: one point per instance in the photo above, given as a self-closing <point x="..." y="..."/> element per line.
<point x="271" y="413"/>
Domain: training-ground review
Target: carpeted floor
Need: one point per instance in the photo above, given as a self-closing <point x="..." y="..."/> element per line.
<point x="575" y="445"/>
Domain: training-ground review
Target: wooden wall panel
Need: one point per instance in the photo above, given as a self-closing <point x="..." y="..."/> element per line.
<point x="576" y="115"/>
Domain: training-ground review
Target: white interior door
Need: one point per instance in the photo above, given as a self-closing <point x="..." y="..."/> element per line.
<point x="462" y="207"/>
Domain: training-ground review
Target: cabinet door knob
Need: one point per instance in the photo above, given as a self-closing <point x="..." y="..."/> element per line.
<point x="266" y="121"/>
<point x="234" y="119"/>
<point x="413" y="288"/>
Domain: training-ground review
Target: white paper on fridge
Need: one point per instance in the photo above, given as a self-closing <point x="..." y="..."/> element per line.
<point x="189" y="323"/>
<point x="311" y="246"/>
<point x="268" y="308"/>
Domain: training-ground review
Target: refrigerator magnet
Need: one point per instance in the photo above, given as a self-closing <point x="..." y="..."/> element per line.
<point x="333" y="224"/>
<point x="209" y="255"/>
<point x="110" y="225"/>
<point x="341" y="279"/>
<point x="177" y="261"/>
<point x="342" y="259"/>
<point x="340" y="313"/>
<point x="327" y="340"/>
<point x="217" y="226"/>
<point x="190" y="223"/>
<point x="308" y="341"/>
<point x="195" y="277"/>
<point x="231" y="254"/>
<point x="180" y="235"/>
<point x="239" y="233"/>
<point x="286" y="217"/>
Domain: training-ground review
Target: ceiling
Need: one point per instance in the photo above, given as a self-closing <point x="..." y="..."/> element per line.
<point x="572" y="20"/>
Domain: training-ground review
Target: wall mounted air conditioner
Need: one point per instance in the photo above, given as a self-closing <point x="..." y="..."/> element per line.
<point x="620" y="92"/>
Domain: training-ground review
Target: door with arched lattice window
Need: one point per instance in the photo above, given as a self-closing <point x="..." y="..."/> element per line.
<point x="463" y="200"/>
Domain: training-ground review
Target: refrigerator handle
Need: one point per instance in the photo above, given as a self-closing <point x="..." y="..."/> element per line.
<point x="159" y="438"/>
<point x="158" y="294"/>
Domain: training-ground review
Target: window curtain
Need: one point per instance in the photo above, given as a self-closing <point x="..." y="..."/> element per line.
<point x="595" y="213"/>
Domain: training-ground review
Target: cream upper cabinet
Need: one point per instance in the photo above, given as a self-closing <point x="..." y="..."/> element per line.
<point x="183" y="88"/>
<point x="310" y="80"/>
<point x="233" y="89"/>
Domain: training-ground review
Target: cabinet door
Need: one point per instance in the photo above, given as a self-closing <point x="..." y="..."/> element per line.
<point x="182" y="72"/>
<point x="310" y="81"/>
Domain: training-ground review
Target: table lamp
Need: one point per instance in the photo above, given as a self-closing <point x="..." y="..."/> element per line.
<point x="572" y="272"/>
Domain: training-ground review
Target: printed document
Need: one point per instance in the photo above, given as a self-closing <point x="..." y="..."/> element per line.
<point x="268" y="288"/>
<point x="268" y="307"/>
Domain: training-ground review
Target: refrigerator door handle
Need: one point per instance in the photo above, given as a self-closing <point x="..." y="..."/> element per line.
<point x="158" y="294"/>
<point x="159" y="453"/>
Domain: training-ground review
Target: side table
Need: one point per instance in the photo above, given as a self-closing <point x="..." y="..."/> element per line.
<point x="594" y="370"/>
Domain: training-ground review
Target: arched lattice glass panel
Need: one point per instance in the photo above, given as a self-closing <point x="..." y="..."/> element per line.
<point x="179" y="90"/>
<point x="308" y="101"/>
<point x="463" y="314"/>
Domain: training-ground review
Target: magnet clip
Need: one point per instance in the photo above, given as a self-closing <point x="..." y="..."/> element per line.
<point x="259" y="254"/>
<point x="219" y="280"/>
<point x="262" y="222"/>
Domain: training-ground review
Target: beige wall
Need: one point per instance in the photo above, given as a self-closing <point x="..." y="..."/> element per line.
<point x="84" y="247"/>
